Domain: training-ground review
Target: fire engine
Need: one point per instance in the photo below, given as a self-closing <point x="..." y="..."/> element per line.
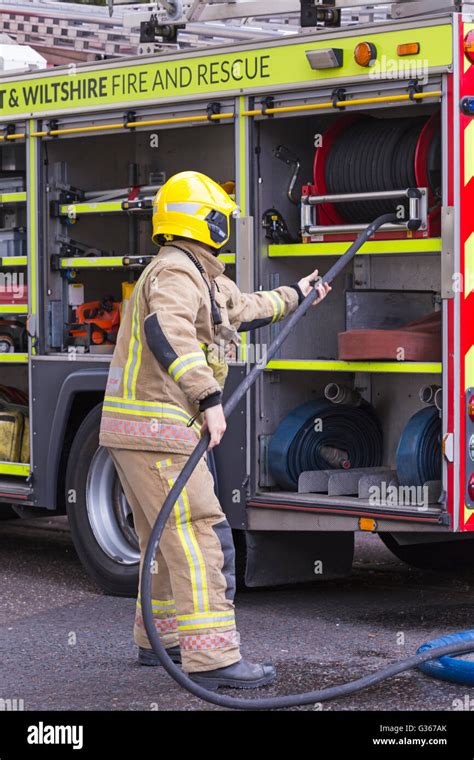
<point x="365" y="419"/>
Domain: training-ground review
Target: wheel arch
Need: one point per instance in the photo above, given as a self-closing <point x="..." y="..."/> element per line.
<point x="78" y="393"/>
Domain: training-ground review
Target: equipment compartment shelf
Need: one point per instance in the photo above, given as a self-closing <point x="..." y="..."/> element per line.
<point x="13" y="261"/>
<point x="116" y="262"/>
<point x="14" y="358"/>
<point x="21" y="308"/>
<point x="12" y="198"/>
<point x="123" y="206"/>
<point x="329" y="365"/>
<point x="73" y="210"/>
<point x="14" y="468"/>
<point x="373" y="247"/>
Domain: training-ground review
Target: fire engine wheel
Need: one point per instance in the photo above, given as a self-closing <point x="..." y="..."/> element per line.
<point x="444" y="556"/>
<point x="99" y="515"/>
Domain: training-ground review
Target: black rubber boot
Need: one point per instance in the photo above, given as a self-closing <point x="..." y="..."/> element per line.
<point x="239" y="675"/>
<point x="148" y="657"/>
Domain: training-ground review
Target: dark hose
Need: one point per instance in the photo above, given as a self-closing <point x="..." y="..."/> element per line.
<point x="174" y="671"/>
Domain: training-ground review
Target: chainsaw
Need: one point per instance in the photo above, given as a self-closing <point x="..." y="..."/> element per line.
<point x="97" y="323"/>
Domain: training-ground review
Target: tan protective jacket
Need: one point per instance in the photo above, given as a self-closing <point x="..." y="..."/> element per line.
<point x="160" y="377"/>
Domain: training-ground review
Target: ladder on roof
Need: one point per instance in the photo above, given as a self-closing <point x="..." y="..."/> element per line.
<point x="178" y="11"/>
<point x="66" y="32"/>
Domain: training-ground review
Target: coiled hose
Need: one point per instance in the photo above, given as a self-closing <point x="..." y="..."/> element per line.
<point x="373" y="155"/>
<point x="173" y="670"/>
<point x="300" y="443"/>
<point x="419" y="449"/>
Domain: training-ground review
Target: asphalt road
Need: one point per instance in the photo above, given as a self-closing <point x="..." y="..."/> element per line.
<point x="64" y="645"/>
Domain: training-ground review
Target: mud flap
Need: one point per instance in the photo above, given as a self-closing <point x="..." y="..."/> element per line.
<point x="279" y="557"/>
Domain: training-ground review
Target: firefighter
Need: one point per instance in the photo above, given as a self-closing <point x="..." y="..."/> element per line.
<point x="164" y="387"/>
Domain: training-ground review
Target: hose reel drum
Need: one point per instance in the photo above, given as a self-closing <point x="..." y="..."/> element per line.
<point x="369" y="166"/>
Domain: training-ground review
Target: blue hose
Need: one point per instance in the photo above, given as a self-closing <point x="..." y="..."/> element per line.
<point x="419" y="449"/>
<point x="297" y="442"/>
<point x="449" y="668"/>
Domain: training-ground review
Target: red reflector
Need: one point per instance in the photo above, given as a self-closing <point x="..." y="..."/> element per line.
<point x="470" y="487"/>
<point x="470" y="407"/>
<point x="469" y="46"/>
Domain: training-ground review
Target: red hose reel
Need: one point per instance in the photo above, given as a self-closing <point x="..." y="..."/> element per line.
<point x="426" y="153"/>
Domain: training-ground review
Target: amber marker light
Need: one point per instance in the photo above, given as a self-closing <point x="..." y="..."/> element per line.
<point x="410" y="48"/>
<point x="365" y="54"/>
<point x="367" y="524"/>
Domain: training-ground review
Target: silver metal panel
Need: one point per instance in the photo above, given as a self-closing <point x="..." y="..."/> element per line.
<point x="314" y="481"/>
<point x="447" y="254"/>
<point x="395" y="399"/>
<point x="369" y="481"/>
<point x="385" y="309"/>
<point x="397" y="272"/>
<point x="245" y="248"/>
<point x="346" y="483"/>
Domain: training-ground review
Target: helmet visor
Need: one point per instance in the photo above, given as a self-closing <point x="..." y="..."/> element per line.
<point x="218" y="224"/>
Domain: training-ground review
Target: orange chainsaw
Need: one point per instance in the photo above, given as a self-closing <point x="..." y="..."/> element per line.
<point x="97" y="322"/>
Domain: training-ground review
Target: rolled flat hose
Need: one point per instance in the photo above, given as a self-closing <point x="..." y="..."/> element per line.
<point x="453" y="669"/>
<point x="291" y="700"/>
<point x="419" y="449"/>
<point x="299" y="443"/>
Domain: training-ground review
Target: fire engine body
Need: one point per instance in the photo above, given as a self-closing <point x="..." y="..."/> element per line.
<point x="94" y="142"/>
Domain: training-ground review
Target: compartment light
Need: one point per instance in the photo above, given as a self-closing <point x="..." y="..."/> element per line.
<point x="327" y="58"/>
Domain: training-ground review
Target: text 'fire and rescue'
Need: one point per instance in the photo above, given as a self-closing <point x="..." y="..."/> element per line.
<point x="142" y="82"/>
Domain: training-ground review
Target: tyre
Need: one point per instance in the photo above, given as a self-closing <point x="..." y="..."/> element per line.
<point x="445" y="556"/>
<point x="100" y="517"/>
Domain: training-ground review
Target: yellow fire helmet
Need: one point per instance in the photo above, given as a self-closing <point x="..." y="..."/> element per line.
<point x="192" y="205"/>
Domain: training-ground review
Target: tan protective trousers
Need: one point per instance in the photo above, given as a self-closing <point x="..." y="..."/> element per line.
<point x="193" y="582"/>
